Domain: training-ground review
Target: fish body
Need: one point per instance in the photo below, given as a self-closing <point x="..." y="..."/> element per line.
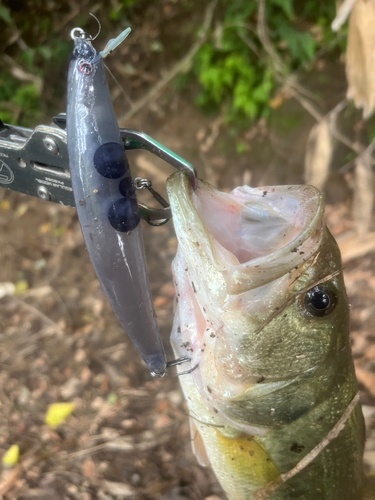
<point x="262" y="310"/>
<point x="106" y="202"/>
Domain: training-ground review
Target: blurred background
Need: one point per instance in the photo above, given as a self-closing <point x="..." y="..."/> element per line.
<point x="250" y="92"/>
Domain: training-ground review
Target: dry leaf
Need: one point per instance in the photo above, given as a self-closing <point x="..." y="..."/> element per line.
<point x="370" y="354"/>
<point x="353" y="247"/>
<point x="277" y="101"/>
<point x="364" y="184"/>
<point x="342" y="15"/>
<point x="89" y="468"/>
<point x="21" y="210"/>
<point x="5" y="205"/>
<point x="45" y="228"/>
<point x="7" y="288"/>
<point x="118" y="489"/>
<point x="366" y="378"/>
<point x="360" y="56"/>
<point x="318" y="156"/>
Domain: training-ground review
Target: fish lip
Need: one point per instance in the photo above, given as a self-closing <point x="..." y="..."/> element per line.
<point x="259" y="270"/>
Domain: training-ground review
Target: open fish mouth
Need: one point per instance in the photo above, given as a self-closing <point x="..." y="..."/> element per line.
<point x="238" y="257"/>
<point x="250" y="236"/>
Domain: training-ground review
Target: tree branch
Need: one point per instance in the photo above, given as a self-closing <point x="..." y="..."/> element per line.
<point x="179" y="66"/>
<point x="267" y="490"/>
<point x="288" y="81"/>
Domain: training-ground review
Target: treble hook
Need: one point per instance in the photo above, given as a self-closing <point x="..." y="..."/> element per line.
<point x="180" y="361"/>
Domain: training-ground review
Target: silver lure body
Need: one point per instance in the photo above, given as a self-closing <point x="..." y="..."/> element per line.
<point x="106" y="203"/>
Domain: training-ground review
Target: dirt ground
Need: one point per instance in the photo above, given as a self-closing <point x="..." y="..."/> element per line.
<point x="60" y="341"/>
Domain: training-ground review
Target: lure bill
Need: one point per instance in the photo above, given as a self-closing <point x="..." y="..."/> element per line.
<point x="106" y="201"/>
<point x="262" y="311"/>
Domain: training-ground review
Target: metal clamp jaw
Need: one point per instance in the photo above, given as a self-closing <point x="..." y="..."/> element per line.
<point x="35" y="162"/>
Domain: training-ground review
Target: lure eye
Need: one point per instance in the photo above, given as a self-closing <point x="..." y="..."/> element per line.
<point x="85" y="67"/>
<point x="320" y="301"/>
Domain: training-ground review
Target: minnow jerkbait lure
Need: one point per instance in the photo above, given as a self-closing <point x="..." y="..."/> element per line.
<point x="106" y="201"/>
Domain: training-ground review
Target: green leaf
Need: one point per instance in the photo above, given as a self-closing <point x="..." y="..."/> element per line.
<point x="112" y="398"/>
<point x="242" y="98"/>
<point x="301" y="44"/>
<point x="45" y="52"/>
<point x="242" y="147"/>
<point x="5" y="14"/>
<point x="28" y="56"/>
<point x="7" y="117"/>
<point x="285" y="5"/>
<point x="27" y="96"/>
<point x="240" y="10"/>
<point x="262" y="93"/>
<point x="231" y="73"/>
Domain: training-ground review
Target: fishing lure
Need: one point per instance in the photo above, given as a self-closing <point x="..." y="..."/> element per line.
<point x="105" y="198"/>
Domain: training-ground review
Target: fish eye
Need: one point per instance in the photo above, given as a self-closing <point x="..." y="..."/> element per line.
<point x="320" y="301"/>
<point x="85" y="67"/>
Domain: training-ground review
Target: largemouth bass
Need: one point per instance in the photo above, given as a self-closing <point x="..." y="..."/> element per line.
<point x="263" y="314"/>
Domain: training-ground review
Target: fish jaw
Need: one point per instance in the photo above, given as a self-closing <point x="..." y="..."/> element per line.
<point x="247" y="238"/>
<point x="242" y="256"/>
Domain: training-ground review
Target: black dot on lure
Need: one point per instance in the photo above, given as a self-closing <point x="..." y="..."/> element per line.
<point x="110" y="160"/>
<point x="123" y="215"/>
<point x="126" y="187"/>
<point x="320" y="301"/>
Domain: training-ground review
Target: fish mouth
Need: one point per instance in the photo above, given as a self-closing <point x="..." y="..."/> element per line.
<point x="237" y="254"/>
<point x="248" y="237"/>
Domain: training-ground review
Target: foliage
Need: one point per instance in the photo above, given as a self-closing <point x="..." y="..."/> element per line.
<point x="121" y="8"/>
<point x="38" y="43"/>
<point x="19" y="100"/>
<point x="233" y="68"/>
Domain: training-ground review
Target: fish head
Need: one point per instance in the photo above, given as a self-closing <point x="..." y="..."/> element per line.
<point x="261" y="306"/>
